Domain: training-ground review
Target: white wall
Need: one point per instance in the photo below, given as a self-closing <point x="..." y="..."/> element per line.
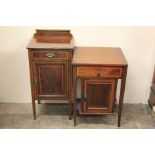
<point x="137" y="43"/>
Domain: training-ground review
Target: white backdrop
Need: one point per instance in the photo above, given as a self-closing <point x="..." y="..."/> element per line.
<point x="137" y="43"/>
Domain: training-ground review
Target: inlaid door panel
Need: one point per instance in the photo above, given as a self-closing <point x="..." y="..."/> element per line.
<point x="98" y="95"/>
<point x="51" y="79"/>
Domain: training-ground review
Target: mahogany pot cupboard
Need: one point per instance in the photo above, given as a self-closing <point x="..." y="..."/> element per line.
<point x="50" y="55"/>
<point x="99" y="70"/>
<point x="55" y="66"/>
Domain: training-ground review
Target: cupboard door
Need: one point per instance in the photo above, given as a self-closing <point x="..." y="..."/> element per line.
<point x="98" y="96"/>
<point x="51" y="79"/>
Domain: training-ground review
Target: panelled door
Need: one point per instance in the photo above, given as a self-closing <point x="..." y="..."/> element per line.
<point x="51" y="79"/>
<point x="98" y="95"/>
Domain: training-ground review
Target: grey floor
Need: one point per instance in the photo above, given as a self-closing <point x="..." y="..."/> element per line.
<point x="19" y="116"/>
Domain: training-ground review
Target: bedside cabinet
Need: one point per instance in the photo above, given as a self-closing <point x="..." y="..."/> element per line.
<point x="50" y="66"/>
<point x="99" y="70"/>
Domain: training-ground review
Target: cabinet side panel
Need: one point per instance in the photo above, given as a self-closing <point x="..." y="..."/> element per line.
<point x="30" y="56"/>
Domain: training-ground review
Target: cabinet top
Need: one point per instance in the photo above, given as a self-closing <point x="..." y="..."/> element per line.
<point x="99" y="56"/>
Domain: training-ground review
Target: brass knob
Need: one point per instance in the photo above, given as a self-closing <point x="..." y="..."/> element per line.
<point x="50" y="55"/>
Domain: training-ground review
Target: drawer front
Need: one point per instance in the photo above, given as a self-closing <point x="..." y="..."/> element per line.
<point x="99" y="71"/>
<point x="52" y="54"/>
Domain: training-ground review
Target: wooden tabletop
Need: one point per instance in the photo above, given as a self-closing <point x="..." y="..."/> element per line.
<point x="98" y="56"/>
<point x="33" y="44"/>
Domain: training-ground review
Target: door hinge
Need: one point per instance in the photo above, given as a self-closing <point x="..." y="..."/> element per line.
<point x="85" y="95"/>
<point x="35" y="81"/>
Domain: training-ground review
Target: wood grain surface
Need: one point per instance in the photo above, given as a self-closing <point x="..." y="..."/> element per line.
<point x="99" y="55"/>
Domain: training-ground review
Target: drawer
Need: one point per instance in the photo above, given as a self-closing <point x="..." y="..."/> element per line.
<point x="99" y="71"/>
<point x="52" y="54"/>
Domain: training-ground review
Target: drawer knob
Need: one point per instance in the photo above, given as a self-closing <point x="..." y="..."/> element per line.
<point x="50" y="55"/>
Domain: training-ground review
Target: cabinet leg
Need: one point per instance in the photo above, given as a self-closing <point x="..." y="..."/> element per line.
<point x="34" y="109"/>
<point x="119" y="119"/>
<point x="74" y="96"/>
<point x="122" y="90"/>
<point x="70" y="110"/>
<point x="74" y="114"/>
<point x="74" y="121"/>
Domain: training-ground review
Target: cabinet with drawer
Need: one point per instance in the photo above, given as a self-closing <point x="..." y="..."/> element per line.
<point x="50" y="67"/>
<point x="99" y="70"/>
